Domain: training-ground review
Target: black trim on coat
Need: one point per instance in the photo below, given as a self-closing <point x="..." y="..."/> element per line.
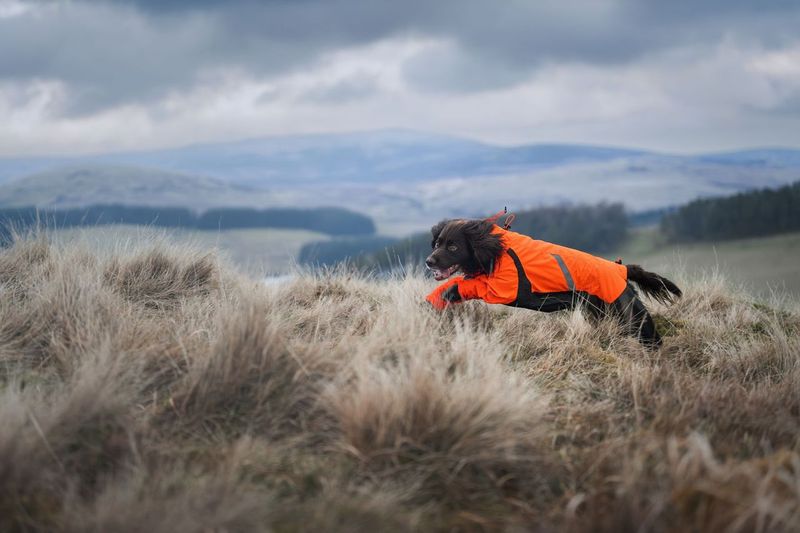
<point x="546" y="302"/>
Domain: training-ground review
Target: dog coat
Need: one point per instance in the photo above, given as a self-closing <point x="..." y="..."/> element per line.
<point x="537" y="275"/>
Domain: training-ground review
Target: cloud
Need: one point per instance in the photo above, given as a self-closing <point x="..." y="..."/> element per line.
<point x="95" y="75"/>
<point x="111" y="53"/>
<point x="357" y="87"/>
<point x="447" y="68"/>
<point x="116" y="54"/>
<point x="12" y="8"/>
<point x="105" y="55"/>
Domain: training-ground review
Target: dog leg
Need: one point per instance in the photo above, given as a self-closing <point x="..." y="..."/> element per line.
<point x="596" y="308"/>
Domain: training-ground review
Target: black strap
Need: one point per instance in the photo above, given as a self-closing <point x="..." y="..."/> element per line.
<point x="524" y="284"/>
<point x="547" y="302"/>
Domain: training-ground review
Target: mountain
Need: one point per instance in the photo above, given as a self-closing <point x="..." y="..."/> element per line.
<point x="362" y="157"/>
<point x="87" y="184"/>
<point x="755" y="158"/>
<point x="403" y="179"/>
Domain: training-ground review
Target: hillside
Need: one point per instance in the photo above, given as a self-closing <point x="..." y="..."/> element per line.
<point x="407" y="180"/>
<point x="381" y="156"/>
<point x="153" y="389"/>
<point x="369" y="156"/>
<point x="762" y="265"/>
<point x="88" y="184"/>
<point x="754" y="213"/>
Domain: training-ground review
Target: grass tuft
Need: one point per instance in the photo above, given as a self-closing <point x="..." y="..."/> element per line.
<point x="155" y="389"/>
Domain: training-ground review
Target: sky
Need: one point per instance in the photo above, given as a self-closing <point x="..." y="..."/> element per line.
<point x="682" y="76"/>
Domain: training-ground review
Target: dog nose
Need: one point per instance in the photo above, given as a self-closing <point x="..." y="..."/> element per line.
<point x="429" y="262"/>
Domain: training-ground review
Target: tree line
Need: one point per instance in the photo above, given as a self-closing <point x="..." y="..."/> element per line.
<point x="594" y="228"/>
<point x="329" y="220"/>
<point x="749" y="214"/>
<point x="341" y="249"/>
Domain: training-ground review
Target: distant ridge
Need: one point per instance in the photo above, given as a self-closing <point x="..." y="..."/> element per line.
<point x="403" y="179"/>
<point x="371" y="156"/>
<point x="368" y="155"/>
<point x="80" y="185"/>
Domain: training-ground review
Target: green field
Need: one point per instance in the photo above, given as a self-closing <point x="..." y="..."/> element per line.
<point x="762" y="265"/>
<point x="255" y="251"/>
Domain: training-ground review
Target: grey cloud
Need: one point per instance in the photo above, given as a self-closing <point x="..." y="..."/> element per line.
<point x="788" y="106"/>
<point x="104" y="55"/>
<point x="111" y="53"/>
<point x="115" y="54"/>
<point x="508" y="41"/>
<point x="455" y="70"/>
<point x="268" y="96"/>
<point x="520" y="31"/>
<point x="356" y="87"/>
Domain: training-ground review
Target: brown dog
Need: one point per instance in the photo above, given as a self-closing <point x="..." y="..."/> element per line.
<point x="505" y="267"/>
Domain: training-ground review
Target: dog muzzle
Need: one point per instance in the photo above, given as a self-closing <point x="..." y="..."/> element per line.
<point x="443" y="273"/>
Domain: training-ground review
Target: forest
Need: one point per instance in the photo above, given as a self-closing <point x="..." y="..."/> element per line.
<point x="749" y="214"/>
<point x="595" y="228"/>
<point x="327" y="220"/>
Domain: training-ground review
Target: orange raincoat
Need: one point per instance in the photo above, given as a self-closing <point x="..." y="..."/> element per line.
<point x="537" y="275"/>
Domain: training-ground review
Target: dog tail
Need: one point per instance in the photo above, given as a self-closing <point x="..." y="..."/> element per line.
<point x="653" y="285"/>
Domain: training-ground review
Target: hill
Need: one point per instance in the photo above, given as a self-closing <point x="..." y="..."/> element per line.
<point x="370" y="156"/>
<point x="88" y="184"/>
<point x="384" y="156"/>
<point x="153" y="388"/>
<point x="407" y="180"/>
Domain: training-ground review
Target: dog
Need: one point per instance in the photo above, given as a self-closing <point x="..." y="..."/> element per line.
<point x="500" y="266"/>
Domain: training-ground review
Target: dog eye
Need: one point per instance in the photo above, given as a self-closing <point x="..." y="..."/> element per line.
<point x="452" y="247"/>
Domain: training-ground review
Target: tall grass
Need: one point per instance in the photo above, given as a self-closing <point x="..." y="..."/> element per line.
<point x="155" y="389"/>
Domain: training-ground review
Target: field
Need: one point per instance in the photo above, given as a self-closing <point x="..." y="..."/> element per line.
<point x="762" y="266"/>
<point x="256" y="252"/>
<point x="153" y="388"/>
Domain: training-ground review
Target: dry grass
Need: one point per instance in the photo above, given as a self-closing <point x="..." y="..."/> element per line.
<point x="157" y="390"/>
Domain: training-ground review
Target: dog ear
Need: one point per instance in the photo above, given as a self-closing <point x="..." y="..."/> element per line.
<point x="485" y="246"/>
<point x="436" y="230"/>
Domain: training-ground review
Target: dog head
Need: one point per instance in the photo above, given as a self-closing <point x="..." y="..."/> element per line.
<point x="465" y="245"/>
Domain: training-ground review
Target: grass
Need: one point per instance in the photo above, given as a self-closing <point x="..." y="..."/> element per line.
<point x="151" y="387"/>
